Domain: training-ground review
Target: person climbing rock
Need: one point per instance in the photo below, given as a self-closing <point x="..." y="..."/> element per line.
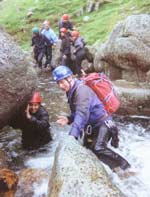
<point x="89" y="117"/>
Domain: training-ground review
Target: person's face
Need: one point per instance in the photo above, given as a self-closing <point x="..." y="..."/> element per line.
<point x="64" y="85"/>
<point x="65" y="21"/>
<point x="33" y="107"/>
<point x="46" y="26"/>
<point x="73" y="38"/>
<point x="62" y="34"/>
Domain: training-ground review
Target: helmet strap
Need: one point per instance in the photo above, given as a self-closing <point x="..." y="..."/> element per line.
<point x="69" y="82"/>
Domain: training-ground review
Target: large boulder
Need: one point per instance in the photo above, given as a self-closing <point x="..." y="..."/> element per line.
<point x="125" y="57"/>
<point x="17" y="78"/>
<point x="78" y="172"/>
<point x="135" y="100"/>
<point x="127" y="50"/>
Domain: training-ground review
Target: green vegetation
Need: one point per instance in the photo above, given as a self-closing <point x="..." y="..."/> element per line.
<point x="13" y="16"/>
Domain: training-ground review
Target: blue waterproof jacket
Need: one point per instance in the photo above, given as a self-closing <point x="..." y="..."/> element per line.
<point x="50" y="34"/>
<point x="86" y="108"/>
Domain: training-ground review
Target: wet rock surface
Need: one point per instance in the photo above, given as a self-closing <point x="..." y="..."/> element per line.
<point x="17" y="78"/>
<point x="135" y="99"/>
<point x="28" y="179"/>
<point x="125" y="58"/>
<point x="127" y="50"/>
<point x="78" y="172"/>
<point x="8" y="182"/>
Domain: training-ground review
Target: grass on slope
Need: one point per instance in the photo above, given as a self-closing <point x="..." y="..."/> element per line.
<point x="13" y="16"/>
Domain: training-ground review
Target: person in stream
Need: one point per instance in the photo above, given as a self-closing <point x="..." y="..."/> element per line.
<point x="34" y="123"/>
<point x="39" y="42"/>
<point x="65" y="22"/>
<point x="79" y="51"/>
<point x="65" y="49"/>
<point x="52" y="37"/>
<point x="89" y="115"/>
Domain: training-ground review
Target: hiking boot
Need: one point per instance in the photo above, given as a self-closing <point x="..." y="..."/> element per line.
<point x="35" y="65"/>
<point x="45" y="65"/>
<point x="123" y="174"/>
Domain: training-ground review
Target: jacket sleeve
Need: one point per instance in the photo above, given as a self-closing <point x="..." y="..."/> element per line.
<point x="53" y="37"/>
<point x="46" y="40"/>
<point x="32" y="42"/>
<point x="82" y="110"/>
<point x="42" y="123"/>
<point x="78" y="44"/>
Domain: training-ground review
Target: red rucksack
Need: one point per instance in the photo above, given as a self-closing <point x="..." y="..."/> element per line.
<point x="103" y="87"/>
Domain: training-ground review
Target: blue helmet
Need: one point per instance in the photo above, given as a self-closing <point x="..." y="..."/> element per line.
<point x="61" y="72"/>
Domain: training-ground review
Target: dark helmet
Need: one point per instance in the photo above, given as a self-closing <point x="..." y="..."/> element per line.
<point x="61" y="72"/>
<point x="35" y="30"/>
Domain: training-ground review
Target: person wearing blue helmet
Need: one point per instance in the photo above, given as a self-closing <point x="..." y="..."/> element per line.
<point x="89" y="115"/>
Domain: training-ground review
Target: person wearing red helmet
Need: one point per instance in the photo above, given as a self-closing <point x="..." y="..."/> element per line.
<point x="65" y="49"/>
<point x="34" y="123"/>
<point x="79" y="50"/>
<point x="65" y="22"/>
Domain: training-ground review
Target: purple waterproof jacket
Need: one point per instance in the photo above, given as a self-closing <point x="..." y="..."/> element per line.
<point x="86" y="108"/>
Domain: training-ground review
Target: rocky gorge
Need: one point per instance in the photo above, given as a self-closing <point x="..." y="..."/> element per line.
<point x="125" y="59"/>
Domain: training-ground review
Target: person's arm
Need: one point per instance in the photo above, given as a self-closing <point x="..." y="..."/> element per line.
<point x="82" y="111"/>
<point x="78" y="45"/>
<point x="42" y="123"/>
<point x="46" y="40"/>
<point x="53" y="36"/>
<point x="32" y="43"/>
<point x="71" y="26"/>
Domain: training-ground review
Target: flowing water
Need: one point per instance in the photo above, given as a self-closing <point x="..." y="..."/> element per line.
<point x="134" y="145"/>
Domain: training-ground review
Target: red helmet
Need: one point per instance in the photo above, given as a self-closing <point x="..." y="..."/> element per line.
<point x="75" y="34"/>
<point x="63" y="30"/>
<point x="36" y="98"/>
<point x="65" y="17"/>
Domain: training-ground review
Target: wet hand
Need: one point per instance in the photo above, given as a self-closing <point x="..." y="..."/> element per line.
<point x="62" y="120"/>
<point x="28" y="112"/>
<point x="64" y="56"/>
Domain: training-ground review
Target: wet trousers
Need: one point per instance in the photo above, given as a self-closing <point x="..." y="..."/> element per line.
<point x="79" y="57"/>
<point x="66" y="61"/>
<point x="48" y="53"/>
<point x="38" y="56"/>
<point x="98" y="141"/>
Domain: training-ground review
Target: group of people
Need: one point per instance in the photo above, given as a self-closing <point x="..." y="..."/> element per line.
<point x="43" y="41"/>
<point x="88" y="117"/>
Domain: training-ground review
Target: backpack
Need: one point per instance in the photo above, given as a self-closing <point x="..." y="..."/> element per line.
<point x="103" y="87"/>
